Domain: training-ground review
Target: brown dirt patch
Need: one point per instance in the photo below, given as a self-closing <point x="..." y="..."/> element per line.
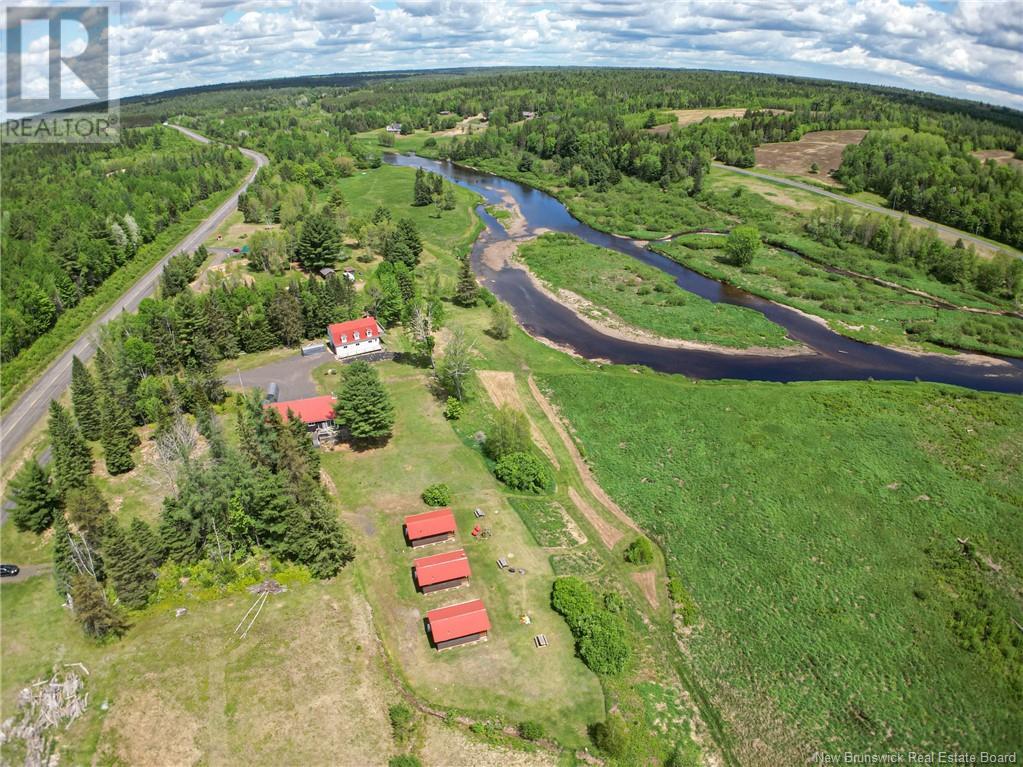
<point x="142" y="720"/>
<point x="647" y="582"/>
<point x="693" y="116"/>
<point x="821" y="147"/>
<point x="500" y="386"/>
<point x="1000" y="156"/>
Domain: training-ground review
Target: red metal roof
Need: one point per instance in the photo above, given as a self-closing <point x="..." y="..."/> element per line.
<point x="442" y="567"/>
<point x="310" y="410"/>
<point x="342" y="333"/>
<point x="457" y="621"/>
<point x="430" y="523"/>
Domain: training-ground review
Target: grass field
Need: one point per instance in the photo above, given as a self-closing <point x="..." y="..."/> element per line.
<point x="815" y="525"/>
<point x="643" y="297"/>
<point x="855" y="307"/>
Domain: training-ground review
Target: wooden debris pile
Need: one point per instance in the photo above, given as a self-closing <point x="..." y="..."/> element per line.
<point x="47" y="704"/>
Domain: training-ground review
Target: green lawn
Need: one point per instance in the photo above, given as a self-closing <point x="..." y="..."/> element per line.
<point x="642" y="296"/>
<point x="502" y="676"/>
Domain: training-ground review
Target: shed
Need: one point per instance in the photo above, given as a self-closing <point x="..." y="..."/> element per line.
<point x="326" y="272"/>
<point x="442" y="571"/>
<point x="458" y="624"/>
<point x="430" y="527"/>
<point x="273" y="392"/>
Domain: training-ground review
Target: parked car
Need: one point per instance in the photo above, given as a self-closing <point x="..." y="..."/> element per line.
<point x="8" y="571"/>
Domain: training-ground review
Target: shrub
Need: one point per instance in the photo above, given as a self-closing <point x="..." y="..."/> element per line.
<point x="683" y="600"/>
<point x="611" y="736"/>
<point x="453" y="409"/>
<point x="742" y="245"/>
<point x="601" y="639"/>
<point x="524" y="471"/>
<point x="531" y="730"/>
<point x="639" y="552"/>
<point x="404" y="760"/>
<point x="437" y="495"/>
<point x="402" y="721"/>
<point x="573" y="599"/>
<point x="508" y="434"/>
<point x="614" y="602"/>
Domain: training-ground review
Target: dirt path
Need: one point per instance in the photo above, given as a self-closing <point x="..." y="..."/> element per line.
<point x="609" y="534"/>
<point x="25" y="572"/>
<point x="500" y="385"/>
<point x="588" y="480"/>
<point x="647" y="582"/>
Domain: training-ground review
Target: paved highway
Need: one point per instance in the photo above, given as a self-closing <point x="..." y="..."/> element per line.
<point x="966" y="236"/>
<point x="33" y="404"/>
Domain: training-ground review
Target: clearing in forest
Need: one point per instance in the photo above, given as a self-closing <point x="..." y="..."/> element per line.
<point x="686" y="117"/>
<point x="822" y="147"/>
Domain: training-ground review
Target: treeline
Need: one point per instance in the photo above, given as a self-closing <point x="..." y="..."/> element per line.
<point x="921" y="173"/>
<point x="72" y="214"/>
<point x="919" y="248"/>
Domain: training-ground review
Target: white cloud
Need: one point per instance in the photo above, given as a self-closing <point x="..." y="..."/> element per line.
<point x="966" y="50"/>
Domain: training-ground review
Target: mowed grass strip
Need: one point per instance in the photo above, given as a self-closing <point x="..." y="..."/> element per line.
<point x="816" y="526"/>
<point x="644" y="297"/>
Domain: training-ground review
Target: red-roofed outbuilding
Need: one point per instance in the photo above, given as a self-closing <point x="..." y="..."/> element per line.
<point x="361" y="336"/>
<point x="458" y="624"/>
<point x="442" y="571"/>
<point x="430" y="527"/>
<point x="312" y="411"/>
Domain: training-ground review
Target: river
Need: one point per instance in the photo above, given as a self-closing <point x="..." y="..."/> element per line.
<point x="833" y="357"/>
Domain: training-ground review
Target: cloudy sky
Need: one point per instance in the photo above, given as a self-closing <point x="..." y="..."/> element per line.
<point x="968" y="49"/>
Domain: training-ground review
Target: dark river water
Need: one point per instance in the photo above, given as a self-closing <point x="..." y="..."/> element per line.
<point x="835" y="357"/>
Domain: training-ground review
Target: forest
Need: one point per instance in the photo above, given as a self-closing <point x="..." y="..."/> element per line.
<point x="73" y="214"/>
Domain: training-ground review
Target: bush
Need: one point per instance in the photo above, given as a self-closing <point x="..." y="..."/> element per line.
<point x="524" y="471"/>
<point x="531" y="730"/>
<point x="601" y="638"/>
<point x="508" y="434"/>
<point x="404" y="760"/>
<point x="614" y="602"/>
<point x="402" y="721"/>
<point x="437" y="495"/>
<point x="639" y="552"/>
<point x="611" y="736"/>
<point x="683" y="600"/>
<point x="453" y="409"/>
<point x="742" y="245"/>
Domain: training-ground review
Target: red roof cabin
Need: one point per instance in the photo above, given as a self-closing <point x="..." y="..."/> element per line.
<point x="430" y="527"/>
<point x="354" y="337"/>
<point x="314" y="412"/>
<point x="442" y="571"/>
<point x="458" y="624"/>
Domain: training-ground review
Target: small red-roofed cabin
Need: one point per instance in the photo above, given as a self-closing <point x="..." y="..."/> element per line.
<point x="430" y="527"/>
<point x="348" y="339"/>
<point x="315" y="412"/>
<point x="458" y="624"/>
<point x="442" y="571"/>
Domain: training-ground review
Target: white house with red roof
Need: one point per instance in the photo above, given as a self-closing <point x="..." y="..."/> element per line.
<point x="347" y="339"/>
<point x="315" y="412"/>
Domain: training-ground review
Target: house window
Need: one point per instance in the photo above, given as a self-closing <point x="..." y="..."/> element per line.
<point x="344" y="339"/>
<point x="356" y="335"/>
<point x="369" y="332"/>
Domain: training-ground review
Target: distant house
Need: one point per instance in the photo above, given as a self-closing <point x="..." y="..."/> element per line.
<point x="442" y="571"/>
<point x="349" y="273"/>
<point x="528" y="115"/>
<point x="326" y="272"/>
<point x="430" y="527"/>
<point x="394" y="128"/>
<point x="315" y="412"/>
<point x="444" y="112"/>
<point x="348" y="339"/>
<point x="458" y="624"/>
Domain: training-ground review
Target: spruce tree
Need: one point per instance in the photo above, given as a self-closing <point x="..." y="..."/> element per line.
<point x="88" y="511"/>
<point x="126" y="568"/>
<point x="409" y="234"/>
<point x="35" y="500"/>
<point x="64" y="568"/>
<point x="84" y="399"/>
<point x="467" y="291"/>
<point x="98" y="617"/>
<point x="72" y="460"/>
<point x="319" y="541"/>
<point x="147" y="541"/>
<point x="364" y="406"/>
<point x="116" y="435"/>
<point x="319" y="245"/>
<point x="422" y="193"/>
